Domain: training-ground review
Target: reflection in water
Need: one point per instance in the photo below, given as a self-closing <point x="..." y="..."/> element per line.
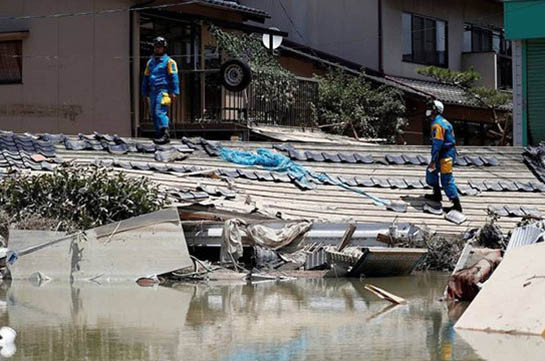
<point x="300" y="320"/>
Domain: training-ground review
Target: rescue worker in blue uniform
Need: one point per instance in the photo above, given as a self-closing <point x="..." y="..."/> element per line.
<point x="443" y="156"/>
<point x="161" y="85"/>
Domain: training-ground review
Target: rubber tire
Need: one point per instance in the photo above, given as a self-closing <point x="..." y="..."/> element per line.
<point x="244" y="69"/>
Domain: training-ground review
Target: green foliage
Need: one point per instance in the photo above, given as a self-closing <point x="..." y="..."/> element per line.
<point x="492" y="97"/>
<point x="461" y="78"/>
<point x="352" y="104"/>
<point x="478" y="96"/>
<point x="465" y="80"/>
<point x="82" y="197"/>
<point x="273" y="84"/>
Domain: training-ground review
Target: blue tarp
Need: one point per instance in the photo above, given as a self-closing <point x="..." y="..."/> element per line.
<point x="272" y="161"/>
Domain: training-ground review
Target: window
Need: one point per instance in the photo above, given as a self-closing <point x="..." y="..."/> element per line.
<point x="481" y="39"/>
<point x="424" y="40"/>
<point x="11" y="62"/>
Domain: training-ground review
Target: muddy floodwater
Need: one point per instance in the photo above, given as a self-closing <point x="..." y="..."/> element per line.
<point x="295" y="320"/>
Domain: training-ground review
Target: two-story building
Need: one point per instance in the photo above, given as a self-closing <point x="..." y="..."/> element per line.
<point x="396" y="37"/>
<point x="75" y="66"/>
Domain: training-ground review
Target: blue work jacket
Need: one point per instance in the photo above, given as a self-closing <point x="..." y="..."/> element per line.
<point x="443" y="139"/>
<point x="161" y="74"/>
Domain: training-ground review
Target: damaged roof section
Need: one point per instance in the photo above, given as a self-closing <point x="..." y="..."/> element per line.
<point x="494" y="178"/>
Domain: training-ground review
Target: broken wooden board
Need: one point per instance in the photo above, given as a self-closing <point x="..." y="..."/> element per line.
<point x="142" y="246"/>
<point x="512" y="299"/>
<point x="385" y="295"/>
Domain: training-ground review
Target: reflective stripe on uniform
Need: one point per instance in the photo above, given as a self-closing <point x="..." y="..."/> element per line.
<point x="446" y="165"/>
<point x="172" y="67"/>
<point x="437" y="132"/>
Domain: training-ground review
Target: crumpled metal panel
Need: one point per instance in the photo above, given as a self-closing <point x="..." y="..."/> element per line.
<point x="524" y="236"/>
<point x="316" y="259"/>
<point x="387" y="262"/>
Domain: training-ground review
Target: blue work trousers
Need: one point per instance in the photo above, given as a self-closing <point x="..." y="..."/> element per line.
<point x="447" y="178"/>
<point x="158" y="111"/>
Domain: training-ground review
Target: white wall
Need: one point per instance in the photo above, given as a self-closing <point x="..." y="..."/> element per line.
<point x="349" y="28"/>
<point x="75" y="69"/>
<point x="455" y="12"/>
<point x="486" y="64"/>
<point x="345" y="28"/>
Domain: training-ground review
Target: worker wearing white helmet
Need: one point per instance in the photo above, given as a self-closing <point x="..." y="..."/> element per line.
<point x="443" y="156"/>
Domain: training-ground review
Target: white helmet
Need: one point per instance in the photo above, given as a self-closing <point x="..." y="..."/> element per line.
<point x="439" y="106"/>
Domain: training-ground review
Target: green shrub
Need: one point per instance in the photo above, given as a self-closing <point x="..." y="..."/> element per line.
<point x="349" y="104"/>
<point x="81" y="197"/>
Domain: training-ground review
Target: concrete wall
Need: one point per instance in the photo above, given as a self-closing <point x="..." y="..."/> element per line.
<point x="345" y="28"/>
<point x="485" y="64"/>
<point x="455" y="12"/>
<point x="75" y="69"/>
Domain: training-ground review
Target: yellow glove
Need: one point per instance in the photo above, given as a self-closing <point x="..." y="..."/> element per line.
<point x="165" y="100"/>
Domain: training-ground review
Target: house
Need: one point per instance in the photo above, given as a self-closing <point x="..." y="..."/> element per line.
<point x="391" y="39"/>
<point x="396" y="37"/>
<point x="76" y="66"/>
<point x="473" y="124"/>
<point x="524" y="26"/>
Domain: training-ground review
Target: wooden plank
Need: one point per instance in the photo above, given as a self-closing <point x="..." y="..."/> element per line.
<point x="385" y="295"/>
<point x="347" y="237"/>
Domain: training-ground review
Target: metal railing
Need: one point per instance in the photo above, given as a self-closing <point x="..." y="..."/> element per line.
<point x="247" y="106"/>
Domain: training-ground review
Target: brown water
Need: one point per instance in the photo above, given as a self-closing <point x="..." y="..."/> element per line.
<point x="296" y="320"/>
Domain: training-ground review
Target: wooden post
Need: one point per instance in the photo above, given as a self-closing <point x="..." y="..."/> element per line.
<point x="347" y="237"/>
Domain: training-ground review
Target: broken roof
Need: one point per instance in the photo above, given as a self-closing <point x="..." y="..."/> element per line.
<point x="488" y="177"/>
<point x="446" y="93"/>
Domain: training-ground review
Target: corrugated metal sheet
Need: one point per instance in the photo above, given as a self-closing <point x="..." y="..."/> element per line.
<point x="524" y="236"/>
<point x="315" y="259"/>
<point x="536" y="89"/>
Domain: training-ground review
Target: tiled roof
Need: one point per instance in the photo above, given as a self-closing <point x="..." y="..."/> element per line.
<point x="236" y="6"/>
<point x="448" y="94"/>
<point x="489" y="177"/>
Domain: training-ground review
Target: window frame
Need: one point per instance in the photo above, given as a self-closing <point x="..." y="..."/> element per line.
<point x="19" y="60"/>
<point x="412" y="60"/>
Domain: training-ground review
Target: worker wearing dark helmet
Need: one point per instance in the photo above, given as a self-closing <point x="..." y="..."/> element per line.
<point x="443" y="156"/>
<point x="161" y="85"/>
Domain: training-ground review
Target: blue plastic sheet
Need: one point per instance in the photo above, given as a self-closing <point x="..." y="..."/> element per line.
<point x="272" y="161"/>
<point x="266" y="159"/>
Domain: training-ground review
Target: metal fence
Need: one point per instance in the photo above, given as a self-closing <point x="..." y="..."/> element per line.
<point x="249" y="106"/>
<point x="244" y="107"/>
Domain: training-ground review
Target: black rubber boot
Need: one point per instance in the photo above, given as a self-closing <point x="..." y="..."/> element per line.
<point x="436" y="196"/>
<point x="164" y="137"/>
<point x="456" y="205"/>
